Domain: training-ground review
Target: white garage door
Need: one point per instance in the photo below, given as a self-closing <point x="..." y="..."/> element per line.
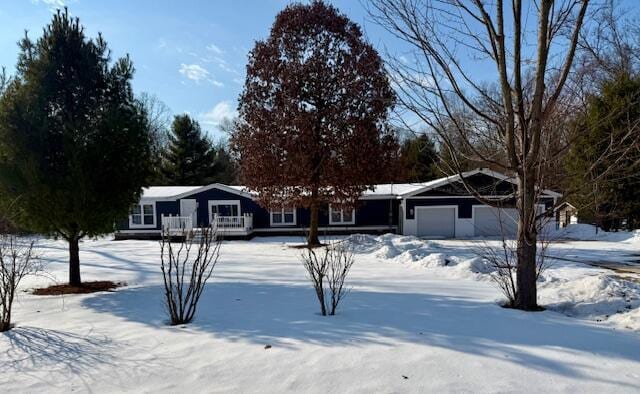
<point x="436" y="221"/>
<point x="494" y="221"/>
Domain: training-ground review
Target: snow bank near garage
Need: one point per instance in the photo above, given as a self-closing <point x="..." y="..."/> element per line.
<point x="587" y="232"/>
<point x="571" y="289"/>
<point x="419" y="253"/>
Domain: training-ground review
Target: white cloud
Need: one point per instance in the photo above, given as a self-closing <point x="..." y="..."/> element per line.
<point x="198" y="73"/>
<point x="215" y="49"/>
<point x="219" y="112"/>
<point x="53" y="5"/>
<point x="194" y="72"/>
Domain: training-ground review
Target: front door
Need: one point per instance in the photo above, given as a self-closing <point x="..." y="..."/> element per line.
<point x="189" y="208"/>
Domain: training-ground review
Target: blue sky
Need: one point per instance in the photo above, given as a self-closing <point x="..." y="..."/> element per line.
<point x="190" y="54"/>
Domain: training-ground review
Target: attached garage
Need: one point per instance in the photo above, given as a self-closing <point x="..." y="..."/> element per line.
<point x="436" y="221"/>
<point x="491" y="221"/>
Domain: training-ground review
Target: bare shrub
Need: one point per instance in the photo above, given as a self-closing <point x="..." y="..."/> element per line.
<point x="328" y="271"/>
<point x="17" y="260"/>
<point x="187" y="262"/>
<point x="503" y="258"/>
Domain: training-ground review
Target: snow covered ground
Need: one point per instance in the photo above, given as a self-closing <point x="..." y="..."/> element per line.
<point x="421" y="316"/>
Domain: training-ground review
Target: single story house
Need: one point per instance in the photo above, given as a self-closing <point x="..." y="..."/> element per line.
<point x="441" y="208"/>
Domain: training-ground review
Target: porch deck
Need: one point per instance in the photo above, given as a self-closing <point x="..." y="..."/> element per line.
<point x="224" y="225"/>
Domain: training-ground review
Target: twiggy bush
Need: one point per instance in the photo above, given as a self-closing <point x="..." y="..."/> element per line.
<point x="328" y="271"/>
<point x="186" y="266"/>
<point x="17" y="260"/>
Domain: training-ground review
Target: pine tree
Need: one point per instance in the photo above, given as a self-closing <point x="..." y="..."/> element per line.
<point x="613" y="198"/>
<point x="74" y="144"/>
<point x="419" y="159"/>
<point x="190" y="157"/>
<point x="225" y="166"/>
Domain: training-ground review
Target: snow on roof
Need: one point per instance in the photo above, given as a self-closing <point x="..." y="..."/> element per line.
<point x="382" y="190"/>
<point x="396" y="189"/>
<point x="242" y="189"/>
<point x="166" y="191"/>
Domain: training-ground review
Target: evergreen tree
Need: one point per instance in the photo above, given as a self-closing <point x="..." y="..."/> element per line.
<point x="612" y="115"/>
<point x="419" y="158"/>
<point x="225" y="165"/>
<point x="190" y="158"/>
<point x="74" y="148"/>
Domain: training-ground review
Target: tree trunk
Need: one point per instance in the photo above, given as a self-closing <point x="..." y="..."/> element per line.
<point x="5" y="322"/>
<point x="527" y="291"/>
<point x="74" y="262"/>
<point x="313" y="226"/>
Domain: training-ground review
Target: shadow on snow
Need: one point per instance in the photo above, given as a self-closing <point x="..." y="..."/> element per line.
<point x="282" y="314"/>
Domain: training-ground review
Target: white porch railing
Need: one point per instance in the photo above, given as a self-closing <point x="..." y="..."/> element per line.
<point x="244" y="222"/>
<point x="224" y="223"/>
<point x="177" y="223"/>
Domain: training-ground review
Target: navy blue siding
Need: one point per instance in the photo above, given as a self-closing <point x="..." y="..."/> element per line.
<point x="485" y="184"/>
<point x="166" y="208"/>
<point x="368" y="212"/>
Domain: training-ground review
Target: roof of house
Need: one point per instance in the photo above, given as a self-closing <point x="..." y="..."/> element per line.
<point x="166" y="191"/>
<point x="396" y="189"/>
<point x="391" y="190"/>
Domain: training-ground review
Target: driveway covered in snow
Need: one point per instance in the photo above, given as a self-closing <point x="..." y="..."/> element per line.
<point x="421" y="316"/>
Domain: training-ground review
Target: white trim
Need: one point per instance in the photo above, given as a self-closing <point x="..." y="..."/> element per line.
<point x="425" y="207"/>
<point x="283" y="224"/>
<point x="211" y="203"/>
<point x="441" y="182"/>
<point x="379" y="197"/>
<point x="141" y="203"/>
<point x="352" y="221"/>
<point x="205" y="188"/>
<point x="467" y="174"/>
<point x="446" y="197"/>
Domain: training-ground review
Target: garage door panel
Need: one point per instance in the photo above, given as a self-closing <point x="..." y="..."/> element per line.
<point x="491" y="221"/>
<point x="436" y="221"/>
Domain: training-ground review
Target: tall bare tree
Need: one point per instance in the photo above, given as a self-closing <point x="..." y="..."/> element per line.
<point x="530" y="48"/>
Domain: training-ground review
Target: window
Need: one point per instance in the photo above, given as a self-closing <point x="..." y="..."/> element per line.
<point x="283" y="217"/>
<point x="224" y="210"/>
<point x="341" y="216"/>
<point x="143" y="215"/>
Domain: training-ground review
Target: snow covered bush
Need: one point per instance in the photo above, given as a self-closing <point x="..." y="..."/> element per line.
<point x="17" y="260"/>
<point x="328" y="271"/>
<point x="186" y="266"/>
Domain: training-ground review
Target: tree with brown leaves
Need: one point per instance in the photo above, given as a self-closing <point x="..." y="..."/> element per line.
<point x="313" y="113"/>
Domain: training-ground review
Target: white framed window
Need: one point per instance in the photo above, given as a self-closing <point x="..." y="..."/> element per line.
<point x="342" y="216"/>
<point x="285" y="216"/>
<point x="224" y="208"/>
<point x="142" y="215"/>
